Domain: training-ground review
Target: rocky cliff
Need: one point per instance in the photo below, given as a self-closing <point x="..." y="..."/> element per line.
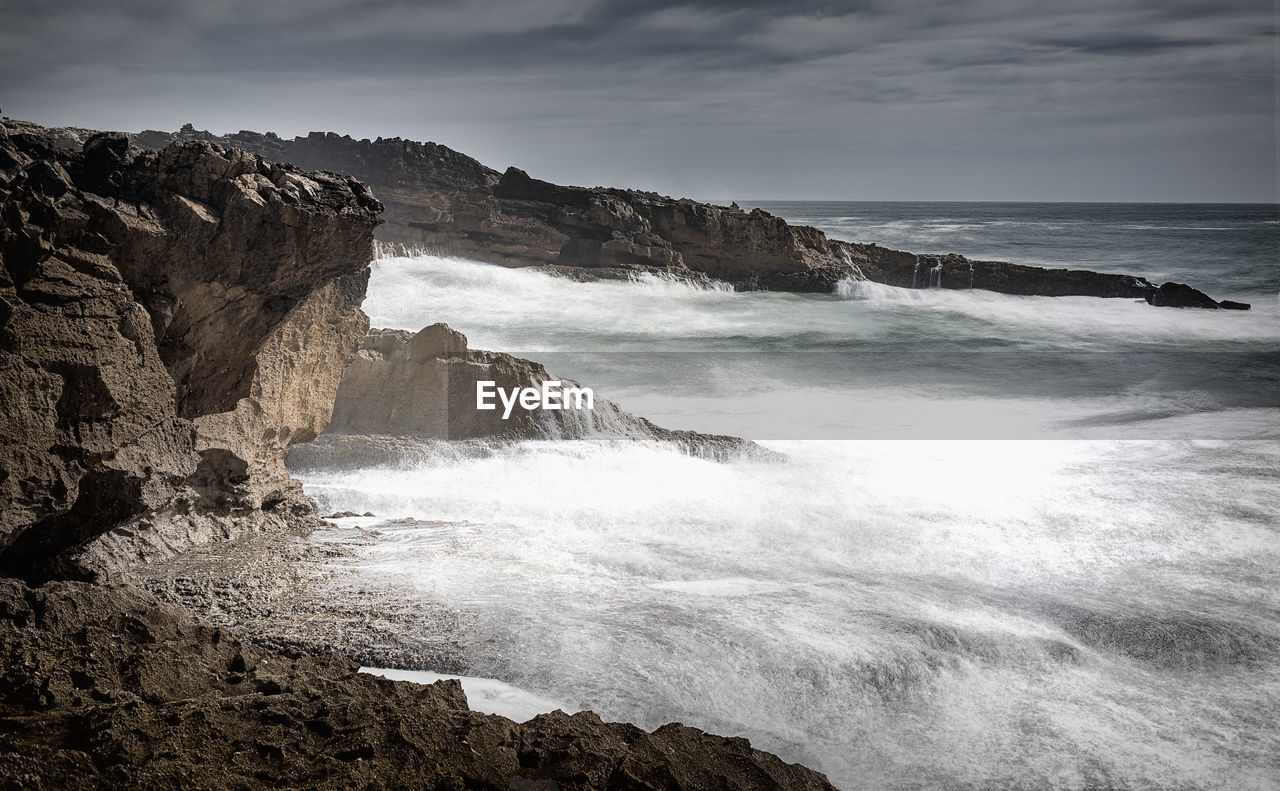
<point x="441" y="200"/>
<point x="424" y="385"/>
<point x="169" y="321"/>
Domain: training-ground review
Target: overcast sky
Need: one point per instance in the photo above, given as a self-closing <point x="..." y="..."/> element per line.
<point x="1161" y="100"/>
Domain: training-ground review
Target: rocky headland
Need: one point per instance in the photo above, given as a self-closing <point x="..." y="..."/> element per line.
<point x="441" y="200"/>
<point x="171" y="323"/>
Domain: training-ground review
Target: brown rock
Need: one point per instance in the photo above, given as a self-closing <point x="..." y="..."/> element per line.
<point x="104" y="687"/>
<point x="165" y="331"/>
<point x="291" y="396"/>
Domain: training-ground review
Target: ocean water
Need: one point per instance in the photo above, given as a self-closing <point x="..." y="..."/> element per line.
<point x="1017" y="542"/>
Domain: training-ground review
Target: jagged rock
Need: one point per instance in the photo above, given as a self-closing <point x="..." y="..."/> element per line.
<point x="424" y="384"/>
<point x="141" y="296"/>
<point x="105" y="687"/>
<point x="1179" y="295"/>
<point x="440" y="200"/>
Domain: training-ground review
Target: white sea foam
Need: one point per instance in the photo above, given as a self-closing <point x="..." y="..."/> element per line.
<point x="1033" y="614"/>
<point x="530" y="311"/>
<point x="983" y="614"/>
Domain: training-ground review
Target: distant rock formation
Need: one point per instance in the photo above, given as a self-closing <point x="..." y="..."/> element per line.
<point x="168" y="323"/>
<point x="441" y="200"/>
<point x="424" y="384"/>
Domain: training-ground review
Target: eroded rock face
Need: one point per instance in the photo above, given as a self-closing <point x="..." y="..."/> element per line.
<point x="143" y="295"/>
<point x="291" y="396"/>
<point x="440" y="200"/>
<point x="104" y="687"/>
<point x="424" y="384"/>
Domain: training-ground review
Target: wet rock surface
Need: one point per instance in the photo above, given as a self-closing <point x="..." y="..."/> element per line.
<point x="284" y="592"/>
<point x="105" y="687"/>
<point x="1180" y="295"/>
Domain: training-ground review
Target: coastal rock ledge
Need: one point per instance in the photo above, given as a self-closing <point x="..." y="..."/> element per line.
<point x="443" y="201"/>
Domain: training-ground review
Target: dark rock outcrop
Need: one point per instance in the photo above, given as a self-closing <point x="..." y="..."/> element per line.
<point x="165" y="330"/>
<point x="1180" y="295"/>
<point x="424" y="384"/>
<point x="440" y="200"/>
<point x="104" y="687"/>
<point x="906" y="270"/>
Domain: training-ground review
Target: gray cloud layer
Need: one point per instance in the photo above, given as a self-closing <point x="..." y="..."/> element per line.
<point x="986" y="99"/>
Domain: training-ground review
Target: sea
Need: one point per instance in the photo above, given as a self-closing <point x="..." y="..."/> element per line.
<point x="1015" y="542"/>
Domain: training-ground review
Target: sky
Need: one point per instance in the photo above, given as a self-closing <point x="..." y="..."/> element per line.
<point x="1074" y="100"/>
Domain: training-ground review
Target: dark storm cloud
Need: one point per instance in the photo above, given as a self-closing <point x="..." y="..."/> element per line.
<point x="987" y="98"/>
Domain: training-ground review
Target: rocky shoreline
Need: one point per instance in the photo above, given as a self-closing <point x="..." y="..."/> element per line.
<point x="103" y="686"/>
<point x="284" y="592"/>
<point x="171" y="323"/>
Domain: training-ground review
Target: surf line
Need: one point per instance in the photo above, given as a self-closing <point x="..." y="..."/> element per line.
<point x="549" y="395"/>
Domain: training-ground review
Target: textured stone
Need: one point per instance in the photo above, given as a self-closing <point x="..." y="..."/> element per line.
<point x="104" y="687"/>
<point x="165" y="331"/>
